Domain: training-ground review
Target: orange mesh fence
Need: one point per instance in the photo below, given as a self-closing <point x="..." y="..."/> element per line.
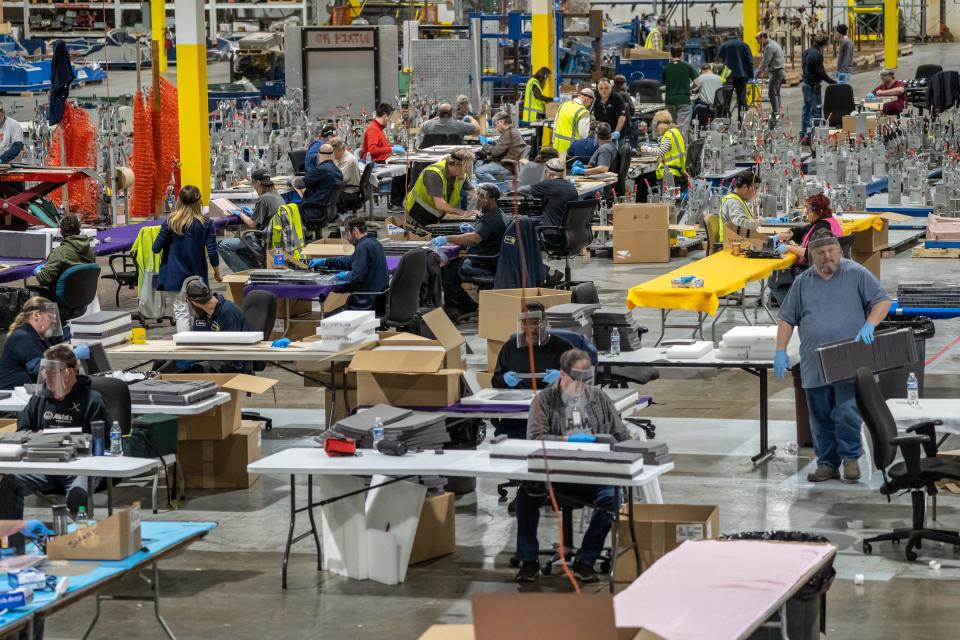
<point x="144" y="167"/>
<point x="166" y="138"/>
<point x="80" y="137"/>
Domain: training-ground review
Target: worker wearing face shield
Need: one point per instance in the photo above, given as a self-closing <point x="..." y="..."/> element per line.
<point x="35" y="329"/>
<point x="64" y="398"/>
<point x="513" y="364"/>
<point x="572" y="409"/>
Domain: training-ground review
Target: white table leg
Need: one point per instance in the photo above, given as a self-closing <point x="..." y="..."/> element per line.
<point x="651" y="492"/>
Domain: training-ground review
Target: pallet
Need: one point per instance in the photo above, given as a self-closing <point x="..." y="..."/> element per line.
<point x="922" y="252"/>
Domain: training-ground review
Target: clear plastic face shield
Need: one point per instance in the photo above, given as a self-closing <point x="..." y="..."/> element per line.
<point x="531" y="329"/>
<point x="48" y="318"/>
<point x="573" y="385"/>
<point x="56" y="378"/>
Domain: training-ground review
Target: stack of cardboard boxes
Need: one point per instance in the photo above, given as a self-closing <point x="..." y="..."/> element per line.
<point x="641" y="232"/>
<point x="216" y="446"/>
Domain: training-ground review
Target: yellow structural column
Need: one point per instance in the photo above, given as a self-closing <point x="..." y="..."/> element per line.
<point x="192" y="95"/>
<point x="158" y="30"/>
<point x="751" y="24"/>
<point x="543" y="47"/>
<point x="891" y="33"/>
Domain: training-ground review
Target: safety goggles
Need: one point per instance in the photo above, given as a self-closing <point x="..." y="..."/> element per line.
<point x="581" y="375"/>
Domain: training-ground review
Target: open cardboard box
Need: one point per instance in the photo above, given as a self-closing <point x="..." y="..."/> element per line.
<point x="409" y="233"/>
<point x="219" y="422"/>
<point x="499" y="309"/>
<point x="405" y="378"/>
<point x="237" y="281"/>
<point x="661" y="528"/>
<point x="748" y="238"/>
<point x="113" y="538"/>
<point x="328" y="248"/>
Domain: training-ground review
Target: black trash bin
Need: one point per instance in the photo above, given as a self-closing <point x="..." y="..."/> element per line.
<point x="806" y="610"/>
<point x="893" y="383"/>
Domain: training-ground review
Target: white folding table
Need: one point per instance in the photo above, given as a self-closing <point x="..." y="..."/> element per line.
<point x="20" y="398"/>
<point x="946" y="410"/>
<point x="467" y="463"/>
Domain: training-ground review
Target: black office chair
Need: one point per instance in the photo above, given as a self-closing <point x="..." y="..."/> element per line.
<point x="572" y="236"/>
<point x="437" y="139"/>
<point x="646" y="91"/>
<point x="127" y="275"/>
<point x="399" y="304"/>
<point x="76" y="288"/>
<point x="915" y="474"/>
<point x="695" y="157"/>
<point x="116" y="397"/>
<point x="722" y="103"/>
<point x="622" y="169"/>
<point x="838" y="101"/>
<point x="313" y="227"/>
<point x="353" y="202"/>
<point x="260" y="309"/>
<point x="925" y="71"/>
<point x="298" y="159"/>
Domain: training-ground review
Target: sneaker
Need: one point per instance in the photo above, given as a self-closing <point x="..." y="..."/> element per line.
<point x="394" y="208"/>
<point x="823" y="473"/>
<point x="529" y="572"/>
<point x="584" y="572"/>
<point x="851" y="471"/>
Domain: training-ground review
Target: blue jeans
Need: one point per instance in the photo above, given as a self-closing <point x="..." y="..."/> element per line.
<point x="236" y="254"/>
<point x="811" y="107"/>
<point x="533" y="495"/>
<point x="843" y="78"/>
<point x="491" y="172"/>
<point x="835" y="422"/>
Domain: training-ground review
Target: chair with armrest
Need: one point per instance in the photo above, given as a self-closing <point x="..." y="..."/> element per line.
<point x="314" y="226"/>
<point x="354" y="203"/>
<point x="916" y="474"/>
<point x="260" y="309"/>
<point x="622" y="169"/>
<point x="76" y="289"/>
<point x="126" y="276"/>
<point x="838" y="101"/>
<point x="711" y="223"/>
<point x="399" y="304"/>
<point x="437" y="139"/>
<point x="298" y="159"/>
<point x="573" y="235"/>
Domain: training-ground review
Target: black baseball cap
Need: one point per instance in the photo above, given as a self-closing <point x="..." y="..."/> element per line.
<point x="262" y="176"/>
<point x="197" y="290"/>
<point x="328" y="130"/>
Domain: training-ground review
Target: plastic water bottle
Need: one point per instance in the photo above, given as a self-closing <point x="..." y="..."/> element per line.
<point x="116" y="447"/>
<point x="278" y="257"/>
<point x="81" y="519"/>
<point x="615" y="343"/>
<point x="913" y="390"/>
<point x="377" y="432"/>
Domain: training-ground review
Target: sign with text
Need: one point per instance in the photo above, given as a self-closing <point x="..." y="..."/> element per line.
<point x="340" y="38"/>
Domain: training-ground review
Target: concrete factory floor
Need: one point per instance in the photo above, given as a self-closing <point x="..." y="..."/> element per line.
<point x="228" y="585"/>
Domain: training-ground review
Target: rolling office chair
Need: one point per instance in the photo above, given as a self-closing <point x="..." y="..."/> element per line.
<point x="573" y="235"/>
<point x="298" y="159"/>
<point x="353" y="204"/>
<point x="722" y="103"/>
<point x="838" y="101"/>
<point x="914" y="474"/>
<point x="76" y="288"/>
<point x="398" y="305"/>
<point x="925" y="71"/>
<point x="711" y="223"/>
<point x="313" y="227"/>
<point x="126" y="277"/>
<point x="622" y="170"/>
<point x="695" y="157"/>
<point x="260" y="309"/>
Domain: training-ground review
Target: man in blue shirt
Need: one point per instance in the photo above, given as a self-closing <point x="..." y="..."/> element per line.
<point x="320" y="181"/>
<point x="310" y="160"/>
<point x="367" y="267"/>
<point x="738" y="58"/>
<point x="585" y="147"/>
<point x="836" y="299"/>
<point x="212" y="312"/>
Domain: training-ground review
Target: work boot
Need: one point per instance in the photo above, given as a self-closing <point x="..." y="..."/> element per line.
<point x="584" y="572"/>
<point x="823" y="473"/>
<point x="529" y="572"/>
<point x="851" y="470"/>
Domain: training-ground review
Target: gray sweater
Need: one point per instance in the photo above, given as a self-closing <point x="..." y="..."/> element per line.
<point x="845" y="56"/>
<point x="549" y="414"/>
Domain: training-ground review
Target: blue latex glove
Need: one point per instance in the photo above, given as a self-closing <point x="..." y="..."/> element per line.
<point x="37" y="269"/>
<point x="82" y="351"/>
<point x="398" y="148"/>
<point x="317" y="262"/>
<point x="552" y="376"/>
<point x="778" y="219"/>
<point x="616" y="135"/>
<point x="439" y="241"/>
<point x="866" y="333"/>
<point x="281" y="343"/>
<point x="511" y="378"/>
<point x="485" y="140"/>
<point x="466" y="227"/>
<point x="576" y="163"/>
<point x="578" y="171"/>
<point x="581" y="437"/>
<point x="781" y="362"/>
<point x="34" y="529"/>
<point x="247" y="210"/>
<point x="343" y="275"/>
<point x="782" y="248"/>
<point x="871" y="96"/>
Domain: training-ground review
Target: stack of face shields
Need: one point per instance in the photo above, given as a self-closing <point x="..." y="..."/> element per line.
<point x="606" y="320"/>
<point x="654" y="453"/>
<point x="106" y="327"/>
<point x="416" y="430"/>
<point x="749" y="343"/>
<point x="55" y="447"/>
<point x="611" y="464"/>
<point x="573" y="317"/>
<point x="291" y="276"/>
<point x="172" y="392"/>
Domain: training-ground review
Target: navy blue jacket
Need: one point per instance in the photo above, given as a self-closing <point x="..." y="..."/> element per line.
<point x="738" y="57"/>
<point x="368" y="271"/>
<point x="226" y="316"/>
<point x="320" y="181"/>
<point x="183" y="256"/>
<point x="311" y="158"/>
<point x="20" y="361"/>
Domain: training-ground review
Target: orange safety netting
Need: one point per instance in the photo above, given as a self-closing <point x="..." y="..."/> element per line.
<point x="142" y="161"/>
<point x="166" y="128"/>
<point x="80" y="137"/>
<point x="156" y="149"/>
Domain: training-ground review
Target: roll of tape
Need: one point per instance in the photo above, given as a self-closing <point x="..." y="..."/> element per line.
<point x="124" y="177"/>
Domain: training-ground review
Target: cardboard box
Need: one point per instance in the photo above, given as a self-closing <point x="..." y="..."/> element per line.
<point x="221" y="464"/>
<point x="850" y="125"/>
<point x="871" y="240"/>
<point x="219" y="422"/>
<point x="499" y="309"/>
<point x="641" y="53"/>
<point x="550" y="110"/>
<point x="327" y="248"/>
<point x="493" y="352"/>
<point x="748" y="238"/>
<point x="485" y="379"/>
<point x="643" y="216"/>
<point x="631" y="246"/>
<point x="113" y="538"/>
<point x="405" y="378"/>
<point x="660" y="529"/>
<point x="869" y="260"/>
<point x="436" y="533"/>
<point x="8" y="426"/>
<point x="407" y="233"/>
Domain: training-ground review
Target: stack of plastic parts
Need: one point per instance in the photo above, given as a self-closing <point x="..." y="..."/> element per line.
<point x="691" y="351"/>
<point x="606" y="320"/>
<point x="144" y="163"/>
<point x="928" y="295"/>
<point x="345" y="330"/>
<point x="654" y="453"/>
<point x="615" y="464"/>
<point x="106" y="327"/>
<point x="515" y="449"/>
<point x="55" y="447"/>
<point x="172" y="392"/>
<point x="943" y="228"/>
<point x="890" y="350"/>
<point x="79" y="137"/>
<point x="291" y="276"/>
<point x="758" y="343"/>
<point x="416" y="430"/>
<point x="573" y="317"/>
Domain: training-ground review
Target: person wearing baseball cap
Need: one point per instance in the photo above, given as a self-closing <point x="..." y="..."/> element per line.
<point x="327" y="131"/>
<point x="238" y="254"/>
<point x="555" y="191"/>
<point x="573" y="120"/>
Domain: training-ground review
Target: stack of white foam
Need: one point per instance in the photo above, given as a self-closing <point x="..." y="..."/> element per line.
<point x="757" y="343"/>
<point x="345" y="330"/>
<point x="106" y="327"/>
<point x="691" y="351"/>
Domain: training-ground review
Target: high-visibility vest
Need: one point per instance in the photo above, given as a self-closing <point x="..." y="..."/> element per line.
<point x="419" y="195"/>
<point x="566" y="127"/>
<point x="725" y="74"/>
<point x="648" y="44"/>
<point x="287" y="230"/>
<point x="746" y="207"/>
<point x="533" y="108"/>
<point x="676" y="158"/>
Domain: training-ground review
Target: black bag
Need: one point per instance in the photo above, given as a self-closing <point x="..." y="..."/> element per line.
<point x="12" y="300"/>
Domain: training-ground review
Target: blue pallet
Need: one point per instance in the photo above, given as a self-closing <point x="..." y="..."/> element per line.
<point x="937" y="313"/>
<point x="941" y="244"/>
<point x="644" y="69"/>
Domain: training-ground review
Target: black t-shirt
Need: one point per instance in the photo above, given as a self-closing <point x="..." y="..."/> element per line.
<point x="79" y="408"/>
<point x="611" y="111"/>
<point x="517" y="359"/>
<point x="490" y="226"/>
<point x="555" y="194"/>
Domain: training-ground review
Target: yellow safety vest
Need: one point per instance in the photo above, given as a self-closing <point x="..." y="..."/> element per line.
<point x="294" y="228"/>
<point x="746" y="207"/>
<point x="419" y="195"/>
<point x="676" y="158"/>
<point x="566" y="127"/>
<point x="648" y="44"/>
<point x="725" y="74"/>
<point x="533" y="109"/>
